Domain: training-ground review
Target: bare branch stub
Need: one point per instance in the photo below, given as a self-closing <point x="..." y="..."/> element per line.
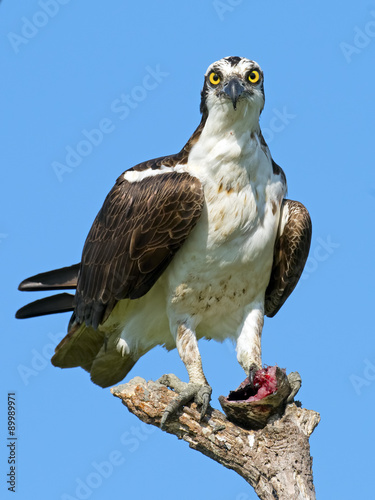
<point x="275" y="460"/>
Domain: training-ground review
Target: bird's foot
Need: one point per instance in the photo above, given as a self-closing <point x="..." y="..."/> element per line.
<point x="252" y="371"/>
<point x="295" y="382"/>
<point x="201" y="393"/>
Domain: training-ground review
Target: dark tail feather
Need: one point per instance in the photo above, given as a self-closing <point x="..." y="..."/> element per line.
<point x="59" y="279"/>
<point x="62" y="302"/>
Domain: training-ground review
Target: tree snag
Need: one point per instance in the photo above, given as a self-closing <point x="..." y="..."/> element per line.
<point x="274" y="460"/>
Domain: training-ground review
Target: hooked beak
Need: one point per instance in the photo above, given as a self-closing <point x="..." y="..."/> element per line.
<point x="234" y="89"/>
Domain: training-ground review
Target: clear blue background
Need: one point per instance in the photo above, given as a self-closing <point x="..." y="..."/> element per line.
<point x="63" y="79"/>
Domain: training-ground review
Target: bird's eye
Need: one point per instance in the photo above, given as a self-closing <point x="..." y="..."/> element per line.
<point x="214" y="78"/>
<point x="254" y="76"/>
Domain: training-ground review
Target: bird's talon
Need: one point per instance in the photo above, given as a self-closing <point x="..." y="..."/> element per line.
<point x="164" y="418"/>
<point x="200" y="393"/>
<point x="173" y="382"/>
<point x="252" y="371"/>
<point x="203" y="398"/>
<point x="295" y="382"/>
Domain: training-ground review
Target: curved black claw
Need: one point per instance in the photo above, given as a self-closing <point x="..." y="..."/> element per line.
<point x="201" y="394"/>
<point x="252" y="371"/>
<point x="203" y="398"/>
<point x="295" y="382"/>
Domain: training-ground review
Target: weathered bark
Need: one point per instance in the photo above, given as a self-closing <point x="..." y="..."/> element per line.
<point x="275" y="460"/>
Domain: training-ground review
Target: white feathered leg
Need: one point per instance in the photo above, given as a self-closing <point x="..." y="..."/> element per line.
<point x="249" y="351"/>
<point x="197" y="388"/>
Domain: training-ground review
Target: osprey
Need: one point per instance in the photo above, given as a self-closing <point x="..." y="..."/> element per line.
<point x="201" y="243"/>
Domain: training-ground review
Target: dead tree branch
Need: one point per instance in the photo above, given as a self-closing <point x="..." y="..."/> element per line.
<point x="275" y="460"/>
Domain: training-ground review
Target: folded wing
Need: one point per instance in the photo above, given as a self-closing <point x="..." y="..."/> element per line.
<point x="291" y="251"/>
<point x="135" y="235"/>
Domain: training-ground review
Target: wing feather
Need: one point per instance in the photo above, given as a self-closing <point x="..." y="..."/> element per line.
<point x="291" y="251"/>
<point x="62" y="302"/>
<point x="133" y="239"/>
<point x="64" y="278"/>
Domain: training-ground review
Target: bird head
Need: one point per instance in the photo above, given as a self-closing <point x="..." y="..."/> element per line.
<point x="233" y="84"/>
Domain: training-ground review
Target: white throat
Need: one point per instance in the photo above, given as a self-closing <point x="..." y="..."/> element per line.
<point x="229" y="144"/>
<point x="223" y="116"/>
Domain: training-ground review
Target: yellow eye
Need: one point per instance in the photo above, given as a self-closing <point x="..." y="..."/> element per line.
<point x="254" y="76"/>
<point x="214" y="78"/>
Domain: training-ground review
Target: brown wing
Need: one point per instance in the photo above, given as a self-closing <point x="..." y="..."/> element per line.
<point x="291" y="251"/>
<point x="134" y="237"/>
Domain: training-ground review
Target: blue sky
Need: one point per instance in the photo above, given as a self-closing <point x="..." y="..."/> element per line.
<point x="88" y="89"/>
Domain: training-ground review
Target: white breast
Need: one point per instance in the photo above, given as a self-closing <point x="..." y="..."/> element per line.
<point x="226" y="261"/>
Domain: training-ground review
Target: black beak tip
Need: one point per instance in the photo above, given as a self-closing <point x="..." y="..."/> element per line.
<point x="233" y="89"/>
